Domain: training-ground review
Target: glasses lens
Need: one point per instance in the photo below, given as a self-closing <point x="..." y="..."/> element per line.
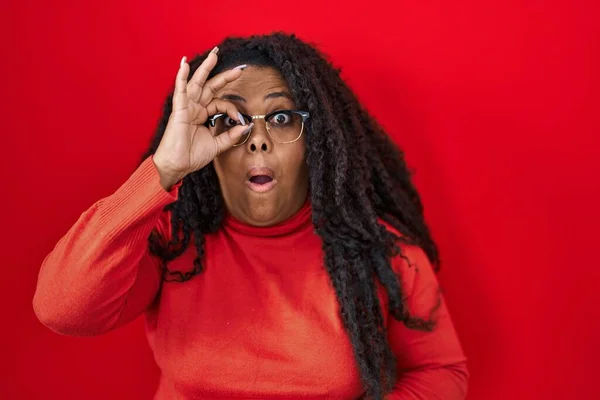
<point x="225" y="123"/>
<point x="285" y="126"/>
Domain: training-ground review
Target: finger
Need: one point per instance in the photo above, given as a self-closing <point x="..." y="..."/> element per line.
<point x="218" y="82"/>
<point x="195" y="85"/>
<point x="180" y="98"/>
<point x="217" y="106"/>
<point x="227" y="139"/>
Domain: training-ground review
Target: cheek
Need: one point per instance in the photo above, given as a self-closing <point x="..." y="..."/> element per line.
<point x="295" y="163"/>
<point x="218" y="168"/>
<point x="224" y="166"/>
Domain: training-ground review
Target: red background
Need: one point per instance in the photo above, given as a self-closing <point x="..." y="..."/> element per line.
<point x="495" y="103"/>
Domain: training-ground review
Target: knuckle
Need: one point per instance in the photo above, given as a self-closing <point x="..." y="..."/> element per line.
<point x="217" y="146"/>
<point x="200" y="85"/>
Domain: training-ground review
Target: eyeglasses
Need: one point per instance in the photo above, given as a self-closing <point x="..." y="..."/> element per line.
<point x="283" y="126"/>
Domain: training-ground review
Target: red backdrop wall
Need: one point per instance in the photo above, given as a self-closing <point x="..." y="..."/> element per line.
<point x="495" y="103"/>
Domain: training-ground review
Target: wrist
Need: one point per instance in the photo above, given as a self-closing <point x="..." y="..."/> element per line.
<point x="167" y="179"/>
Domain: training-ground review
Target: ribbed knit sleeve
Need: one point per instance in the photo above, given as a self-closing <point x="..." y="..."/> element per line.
<point x="431" y="365"/>
<point x="100" y="275"/>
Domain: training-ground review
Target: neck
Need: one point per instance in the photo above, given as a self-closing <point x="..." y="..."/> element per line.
<point x="300" y="218"/>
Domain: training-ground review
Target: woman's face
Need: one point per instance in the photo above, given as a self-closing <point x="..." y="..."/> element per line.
<point x="263" y="182"/>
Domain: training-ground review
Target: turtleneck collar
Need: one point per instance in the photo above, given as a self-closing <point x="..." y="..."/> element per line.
<point x="295" y="223"/>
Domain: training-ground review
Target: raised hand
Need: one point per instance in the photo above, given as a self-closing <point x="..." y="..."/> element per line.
<point x="187" y="145"/>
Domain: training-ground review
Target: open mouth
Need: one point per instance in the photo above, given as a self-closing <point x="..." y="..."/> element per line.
<point x="260" y="179"/>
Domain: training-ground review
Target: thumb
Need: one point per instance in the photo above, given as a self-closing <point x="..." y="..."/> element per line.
<point x="227" y="139"/>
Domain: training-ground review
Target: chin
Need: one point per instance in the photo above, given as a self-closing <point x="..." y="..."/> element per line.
<point x="262" y="210"/>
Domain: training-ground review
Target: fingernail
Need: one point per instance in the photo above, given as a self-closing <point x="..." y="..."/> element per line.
<point x="183" y="60"/>
<point x="241" y="119"/>
<point x="242" y="67"/>
<point x="215" y="50"/>
<point x="248" y="128"/>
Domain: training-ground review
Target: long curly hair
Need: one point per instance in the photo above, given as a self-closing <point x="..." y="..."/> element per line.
<point x="357" y="176"/>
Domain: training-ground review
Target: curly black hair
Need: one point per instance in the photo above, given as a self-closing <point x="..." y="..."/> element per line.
<point x="357" y="176"/>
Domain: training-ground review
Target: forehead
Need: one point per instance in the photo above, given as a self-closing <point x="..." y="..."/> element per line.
<point x="256" y="82"/>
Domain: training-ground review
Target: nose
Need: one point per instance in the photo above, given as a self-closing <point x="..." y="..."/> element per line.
<point x="259" y="139"/>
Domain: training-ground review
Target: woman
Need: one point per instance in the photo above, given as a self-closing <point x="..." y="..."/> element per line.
<point x="273" y="239"/>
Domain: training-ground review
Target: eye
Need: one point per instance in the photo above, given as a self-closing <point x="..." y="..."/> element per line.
<point x="281" y="118"/>
<point x="229" y="122"/>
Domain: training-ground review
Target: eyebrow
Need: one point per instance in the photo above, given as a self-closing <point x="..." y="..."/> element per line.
<point x="270" y="96"/>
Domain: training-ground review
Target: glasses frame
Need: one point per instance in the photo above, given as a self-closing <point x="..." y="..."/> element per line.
<point x="304" y="114"/>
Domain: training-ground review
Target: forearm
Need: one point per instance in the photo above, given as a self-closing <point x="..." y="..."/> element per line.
<point x="100" y="272"/>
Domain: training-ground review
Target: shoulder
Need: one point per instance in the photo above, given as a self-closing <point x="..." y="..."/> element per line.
<point x="410" y="255"/>
<point x="411" y="264"/>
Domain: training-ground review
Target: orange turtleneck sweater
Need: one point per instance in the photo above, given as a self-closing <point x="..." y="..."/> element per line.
<point x="260" y="322"/>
